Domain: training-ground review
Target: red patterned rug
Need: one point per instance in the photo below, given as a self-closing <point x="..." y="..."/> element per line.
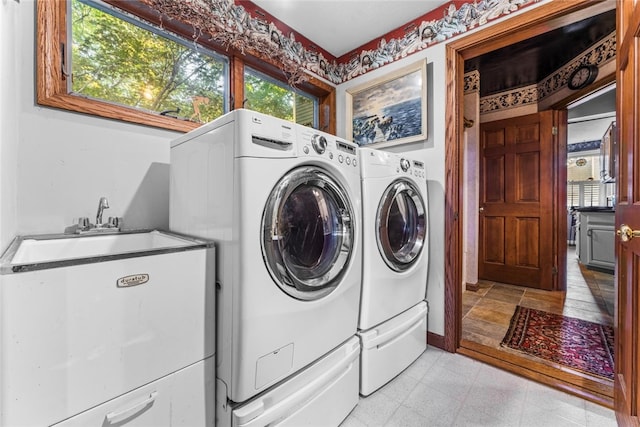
<point x="576" y="343"/>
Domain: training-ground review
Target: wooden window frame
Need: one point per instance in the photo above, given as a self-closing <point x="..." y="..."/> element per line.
<point x="51" y="79"/>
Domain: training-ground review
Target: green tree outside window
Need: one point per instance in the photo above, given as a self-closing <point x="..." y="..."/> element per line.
<point x="117" y="61"/>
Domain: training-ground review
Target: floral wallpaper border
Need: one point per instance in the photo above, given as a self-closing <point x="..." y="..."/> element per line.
<point x="584" y="146"/>
<point x="472" y="82"/>
<point x="232" y="25"/>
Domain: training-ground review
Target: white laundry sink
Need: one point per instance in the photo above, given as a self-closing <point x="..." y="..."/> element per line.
<point x="87" y="319"/>
<point x="37" y="252"/>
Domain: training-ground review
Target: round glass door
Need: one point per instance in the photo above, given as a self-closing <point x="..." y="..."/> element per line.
<point x="401" y="225"/>
<point x="307" y="233"/>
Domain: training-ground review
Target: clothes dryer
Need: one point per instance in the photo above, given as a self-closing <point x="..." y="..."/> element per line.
<point x="393" y="315"/>
<point x="282" y="203"/>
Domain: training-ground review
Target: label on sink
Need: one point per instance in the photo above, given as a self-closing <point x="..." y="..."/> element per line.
<point x="132" y="280"/>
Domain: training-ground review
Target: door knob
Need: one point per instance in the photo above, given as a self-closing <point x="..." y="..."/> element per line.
<point x="626" y="233"/>
<point x="481" y="210"/>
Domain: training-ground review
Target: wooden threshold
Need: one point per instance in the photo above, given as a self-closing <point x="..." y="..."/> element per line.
<point x="588" y="387"/>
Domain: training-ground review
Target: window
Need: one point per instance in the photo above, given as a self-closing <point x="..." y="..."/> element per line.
<point x="269" y="96"/>
<point x="573" y="194"/>
<point x="126" y="62"/>
<point x="584" y="187"/>
<point x="120" y="59"/>
<point x="583" y="193"/>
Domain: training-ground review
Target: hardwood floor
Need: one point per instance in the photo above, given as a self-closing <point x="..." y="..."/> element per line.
<point x="487" y="312"/>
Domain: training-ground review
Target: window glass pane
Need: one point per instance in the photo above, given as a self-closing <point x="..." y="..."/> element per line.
<point x="124" y="61"/>
<point x="585" y="193"/>
<point x="573" y="194"/>
<point x="304" y="109"/>
<point x="272" y="97"/>
<point x="591" y="194"/>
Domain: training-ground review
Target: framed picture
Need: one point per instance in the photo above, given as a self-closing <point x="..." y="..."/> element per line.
<point x="390" y="110"/>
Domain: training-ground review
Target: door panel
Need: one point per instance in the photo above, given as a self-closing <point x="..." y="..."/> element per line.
<point x="528" y="178"/>
<point x="527" y="245"/>
<point x="516" y="201"/>
<point x="493" y="188"/>
<point x="626" y="395"/>
<point x="494" y="240"/>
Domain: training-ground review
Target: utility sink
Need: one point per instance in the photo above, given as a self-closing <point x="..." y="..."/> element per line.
<point x="46" y="251"/>
<point x="89" y="319"/>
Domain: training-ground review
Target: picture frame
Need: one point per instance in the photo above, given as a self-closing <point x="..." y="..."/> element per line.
<point x="390" y="110"/>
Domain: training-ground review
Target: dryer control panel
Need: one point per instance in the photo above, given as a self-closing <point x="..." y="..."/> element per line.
<point x="411" y="167"/>
<point x="418" y="169"/>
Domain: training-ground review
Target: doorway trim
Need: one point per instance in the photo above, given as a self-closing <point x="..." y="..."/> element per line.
<point x="531" y="23"/>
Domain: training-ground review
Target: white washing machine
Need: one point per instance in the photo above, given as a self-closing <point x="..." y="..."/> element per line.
<point x="282" y="203"/>
<point x="393" y="314"/>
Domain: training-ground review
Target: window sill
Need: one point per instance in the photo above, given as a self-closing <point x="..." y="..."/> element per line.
<point x="110" y="111"/>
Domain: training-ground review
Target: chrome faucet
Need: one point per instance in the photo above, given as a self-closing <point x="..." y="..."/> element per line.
<point x="102" y="205"/>
<point x="113" y="224"/>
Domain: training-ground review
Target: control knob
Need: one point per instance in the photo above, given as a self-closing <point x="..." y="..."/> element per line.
<point x="319" y="143"/>
<point x="405" y="165"/>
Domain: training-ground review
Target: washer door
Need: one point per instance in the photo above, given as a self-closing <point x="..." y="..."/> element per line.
<point x="308" y="233"/>
<point x="401" y="225"/>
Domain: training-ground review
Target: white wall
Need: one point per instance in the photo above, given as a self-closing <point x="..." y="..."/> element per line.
<point x="10" y="49"/>
<point x="471" y="190"/>
<point x="432" y="152"/>
<point x="56" y="164"/>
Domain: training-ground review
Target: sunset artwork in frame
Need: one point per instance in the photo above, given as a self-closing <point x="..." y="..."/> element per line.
<point x="390" y="110"/>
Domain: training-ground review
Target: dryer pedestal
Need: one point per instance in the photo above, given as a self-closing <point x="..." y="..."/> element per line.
<point x="389" y="348"/>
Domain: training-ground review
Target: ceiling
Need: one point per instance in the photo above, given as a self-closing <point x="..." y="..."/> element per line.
<point x="340" y="26"/>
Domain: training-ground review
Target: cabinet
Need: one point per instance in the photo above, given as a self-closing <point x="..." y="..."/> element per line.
<point x="596" y="239"/>
<point x="608" y="156"/>
<point x="183" y="398"/>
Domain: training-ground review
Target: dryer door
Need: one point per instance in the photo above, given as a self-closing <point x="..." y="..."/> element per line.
<point x="401" y="225"/>
<point x="308" y="233"/>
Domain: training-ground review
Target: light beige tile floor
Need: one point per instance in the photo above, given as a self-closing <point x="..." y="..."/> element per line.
<point x="447" y="389"/>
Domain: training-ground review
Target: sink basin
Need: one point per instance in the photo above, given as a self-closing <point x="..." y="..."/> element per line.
<point x="38" y="252"/>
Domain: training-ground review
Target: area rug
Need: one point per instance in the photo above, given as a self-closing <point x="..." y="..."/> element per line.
<point x="576" y="343"/>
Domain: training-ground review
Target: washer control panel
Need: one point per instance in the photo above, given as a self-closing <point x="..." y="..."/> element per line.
<point x="320" y="144"/>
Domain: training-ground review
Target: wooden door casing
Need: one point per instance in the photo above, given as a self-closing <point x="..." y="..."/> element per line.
<point x="627" y="355"/>
<point x="516" y="201"/>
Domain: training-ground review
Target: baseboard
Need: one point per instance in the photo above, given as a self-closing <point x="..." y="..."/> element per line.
<point x="435" y="340"/>
<point x="600" y="269"/>
<point x="472" y="286"/>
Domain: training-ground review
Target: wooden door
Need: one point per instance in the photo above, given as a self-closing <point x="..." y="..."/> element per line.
<point x="627" y="356"/>
<point x="516" y="201"/>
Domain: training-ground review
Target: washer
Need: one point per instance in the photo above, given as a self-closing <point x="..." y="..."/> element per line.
<point x="282" y="203"/>
<point x="393" y="314"/>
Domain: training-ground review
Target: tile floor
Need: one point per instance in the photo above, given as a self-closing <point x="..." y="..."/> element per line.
<point x="447" y="389"/>
<point x="487" y="312"/>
